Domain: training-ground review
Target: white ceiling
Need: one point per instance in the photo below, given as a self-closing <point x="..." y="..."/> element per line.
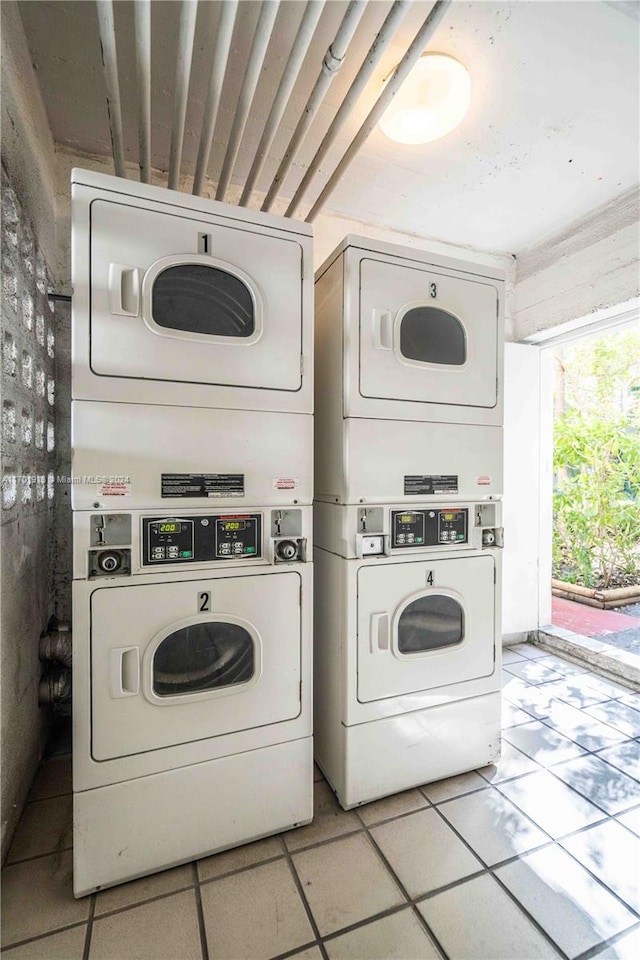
<point x="552" y="133"/>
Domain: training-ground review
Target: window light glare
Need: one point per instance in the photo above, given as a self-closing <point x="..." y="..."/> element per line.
<point x="430" y="103"/>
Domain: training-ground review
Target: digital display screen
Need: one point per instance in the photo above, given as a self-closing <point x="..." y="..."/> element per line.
<point x="233" y="525"/>
<point x="408" y="518"/>
<point x="168" y="528"/>
<point x="448" y="516"/>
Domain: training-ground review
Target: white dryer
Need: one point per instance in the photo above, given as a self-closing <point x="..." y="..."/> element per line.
<point x="192" y="683"/>
<point x="179" y="300"/>
<point x="409" y="350"/>
<point x="407" y="644"/>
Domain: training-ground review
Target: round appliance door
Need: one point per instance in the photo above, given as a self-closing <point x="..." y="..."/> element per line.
<point x="424" y="624"/>
<point x="177" y="662"/>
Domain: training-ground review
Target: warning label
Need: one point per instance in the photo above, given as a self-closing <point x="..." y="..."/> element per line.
<point x="210" y="485"/>
<point x="483" y="481"/>
<point x="285" y="483"/>
<point x="114" y="489"/>
<point x="420" y="484"/>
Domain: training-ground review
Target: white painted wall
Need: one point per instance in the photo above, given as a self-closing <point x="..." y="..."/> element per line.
<point x="591" y="267"/>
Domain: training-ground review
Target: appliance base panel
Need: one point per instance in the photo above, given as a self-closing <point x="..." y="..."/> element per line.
<point x="137" y="827"/>
<point x="377" y="759"/>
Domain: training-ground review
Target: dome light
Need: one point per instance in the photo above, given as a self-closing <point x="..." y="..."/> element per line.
<point x="431" y="102"/>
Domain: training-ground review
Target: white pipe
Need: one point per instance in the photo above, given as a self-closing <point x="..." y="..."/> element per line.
<point x="392" y="86"/>
<point x="330" y="65"/>
<point x="369" y="64"/>
<point x="142" y="19"/>
<point x="219" y="60"/>
<point x="298" y="53"/>
<point x="186" y="36"/>
<point x="107" y="29"/>
<point x="261" y="38"/>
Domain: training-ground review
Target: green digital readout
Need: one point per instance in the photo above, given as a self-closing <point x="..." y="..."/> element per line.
<point x="233" y="525"/>
<point x="168" y="528"/>
<point x="408" y="518"/>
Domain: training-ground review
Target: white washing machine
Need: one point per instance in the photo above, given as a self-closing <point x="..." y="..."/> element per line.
<point x="407" y="644"/>
<point x="183" y="301"/>
<point x="408" y="383"/>
<point x="140" y="456"/>
<point x="192" y="685"/>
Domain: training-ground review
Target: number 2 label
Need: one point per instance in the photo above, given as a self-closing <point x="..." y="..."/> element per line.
<point x="204" y="602"/>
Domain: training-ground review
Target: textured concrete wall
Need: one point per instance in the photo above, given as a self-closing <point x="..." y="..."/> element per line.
<point x="592" y="266"/>
<point x="28" y="482"/>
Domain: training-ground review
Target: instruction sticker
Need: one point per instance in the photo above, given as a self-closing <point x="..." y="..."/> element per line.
<point x="210" y="485"/>
<point x="285" y="483"/>
<point x="431" y="485"/>
<point x="484" y="480"/>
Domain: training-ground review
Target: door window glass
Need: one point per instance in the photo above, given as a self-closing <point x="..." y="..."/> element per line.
<point x="200" y="299"/>
<point x="203" y="656"/>
<point x="431" y="335"/>
<point x="430" y="623"/>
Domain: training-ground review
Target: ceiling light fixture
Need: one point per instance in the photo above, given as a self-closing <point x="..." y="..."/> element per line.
<point x="430" y="103"/>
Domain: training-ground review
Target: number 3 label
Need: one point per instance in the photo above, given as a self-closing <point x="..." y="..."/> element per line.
<point x="433" y="291"/>
<point x="204" y="602"/>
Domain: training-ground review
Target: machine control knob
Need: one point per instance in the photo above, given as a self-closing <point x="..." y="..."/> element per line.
<point x="488" y="538"/>
<point x="109" y="562"/>
<point x="286" y="550"/>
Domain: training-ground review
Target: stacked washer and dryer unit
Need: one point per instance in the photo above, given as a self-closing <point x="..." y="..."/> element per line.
<point x="192" y="460"/>
<point x="407" y="517"/>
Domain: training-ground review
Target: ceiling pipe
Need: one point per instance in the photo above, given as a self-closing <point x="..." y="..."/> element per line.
<point x="186" y="37"/>
<point x="219" y="60"/>
<point x="332" y="62"/>
<point x="142" y="21"/>
<point x="107" y="30"/>
<point x="298" y="53"/>
<point x="379" y="45"/>
<point x="389" y="91"/>
<point x="264" y="28"/>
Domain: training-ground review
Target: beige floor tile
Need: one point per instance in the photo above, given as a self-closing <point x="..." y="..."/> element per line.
<point x="631" y="820"/>
<point x="398" y="937"/>
<point x="453" y="786"/>
<point x="345" y="882"/>
<point x="313" y="953"/>
<point x="391" y="807"/>
<point x="492" y="826"/>
<point x="576" y="911"/>
<point x="550" y="804"/>
<point x="477" y="920"/>
<point x="37" y="898"/>
<point x="53" y="778"/>
<point x="424" y="852"/>
<point x="255" y="914"/>
<point x="67" y="945"/>
<point x="247" y="855"/>
<point x="612" y="853"/>
<point x="126" y="894"/>
<point x="626" y="948"/>
<point x="329" y="820"/>
<point x="45" y="827"/>
<point x="166" y="929"/>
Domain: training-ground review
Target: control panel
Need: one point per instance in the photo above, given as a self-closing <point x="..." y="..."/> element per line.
<point x="429" y="528"/>
<point x="194" y="539"/>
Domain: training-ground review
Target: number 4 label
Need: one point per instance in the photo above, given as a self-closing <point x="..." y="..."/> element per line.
<point x="430" y="577"/>
<point x="204" y="602"/>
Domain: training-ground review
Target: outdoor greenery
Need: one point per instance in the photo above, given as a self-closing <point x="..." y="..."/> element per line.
<point x="597" y="462"/>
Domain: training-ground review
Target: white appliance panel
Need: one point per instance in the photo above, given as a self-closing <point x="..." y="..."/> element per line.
<point x="382" y="457"/>
<point x="131" y="248"/>
<point x="271" y="452"/>
<point x="424" y="624"/>
<point x="427" y="337"/>
<point x="156" y="822"/>
<point x="164" y="671"/>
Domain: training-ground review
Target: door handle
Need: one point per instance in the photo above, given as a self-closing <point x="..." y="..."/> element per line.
<point x="382" y="322"/>
<point x="379" y="632"/>
<point x="124" y="290"/>
<point x="124" y="672"/>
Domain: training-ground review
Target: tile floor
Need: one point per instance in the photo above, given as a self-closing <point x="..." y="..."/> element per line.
<point x="537" y="857"/>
